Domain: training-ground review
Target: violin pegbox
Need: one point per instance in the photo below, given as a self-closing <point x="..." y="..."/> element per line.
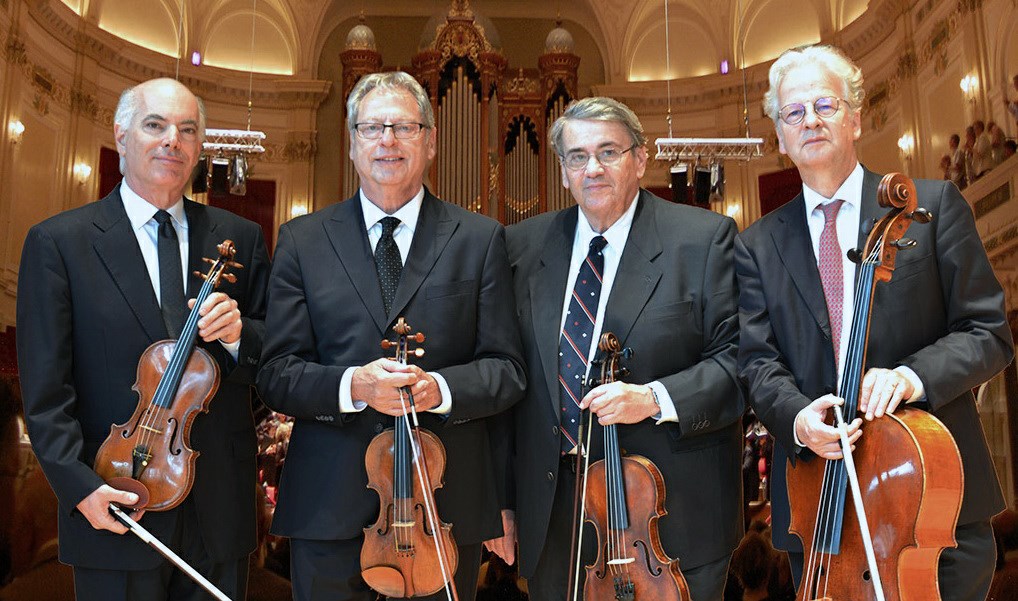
<point x="403" y="340"/>
<point x="219" y="266"/>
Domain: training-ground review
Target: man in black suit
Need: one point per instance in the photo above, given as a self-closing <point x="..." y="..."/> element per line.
<point x="666" y="288"/>
<point x="341" y="278"/>
<point x="99" y="284"/>
<point x="943" y="310"/>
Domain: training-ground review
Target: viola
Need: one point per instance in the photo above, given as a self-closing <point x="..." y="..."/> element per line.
<point x="623" y="498"/>
<point x="885" y="544"/>
<point x="150" y="454"/>
<point x="409" y="551"/>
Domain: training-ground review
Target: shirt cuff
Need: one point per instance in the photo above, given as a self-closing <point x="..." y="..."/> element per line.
<point x="667" y="413"/>
<point x="346" y="402"/>
<point x="918" y="390"/>
<point x="231" y="347"/>
<point x="446" y="406"/>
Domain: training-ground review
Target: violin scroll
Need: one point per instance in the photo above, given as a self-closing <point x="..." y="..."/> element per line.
<point x="218" y="270"/>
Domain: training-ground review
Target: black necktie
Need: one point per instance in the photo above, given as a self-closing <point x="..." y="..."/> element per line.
<point x="577" y="334"/>
<point x="171" y="277"/>
<point x="388" y="262"/>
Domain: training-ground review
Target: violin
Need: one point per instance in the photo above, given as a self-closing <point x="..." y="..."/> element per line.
<point x="886" y="543"/>
<point x="409" y="551"/>
<point x="623" y="498"/>
<point x="150" y="454"/>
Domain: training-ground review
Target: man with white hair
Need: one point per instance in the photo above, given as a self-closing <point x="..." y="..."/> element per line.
<point x="97" y="285"/>
<point x="938" y="329"/>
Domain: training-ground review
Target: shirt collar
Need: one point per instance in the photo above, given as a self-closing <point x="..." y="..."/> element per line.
<point x="407" y="214"/>
<point x="141" y="211"/>
<point x="850" y="192"/>
<point x="616" y="235"/>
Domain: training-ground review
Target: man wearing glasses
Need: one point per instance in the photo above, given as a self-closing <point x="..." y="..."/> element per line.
<point x="661" y="277"/>
<point x="342" y="277"/>
<point x="938" y="328"/>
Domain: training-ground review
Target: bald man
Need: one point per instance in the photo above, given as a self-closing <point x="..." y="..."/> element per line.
<point x="97" y="285"/>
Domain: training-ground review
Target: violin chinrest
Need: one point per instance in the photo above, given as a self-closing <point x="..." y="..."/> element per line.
<point x="131" y="485"/>
<point x="386" y="580"/>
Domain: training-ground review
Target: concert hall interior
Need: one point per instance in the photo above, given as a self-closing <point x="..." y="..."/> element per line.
<point x="498" y="72"/>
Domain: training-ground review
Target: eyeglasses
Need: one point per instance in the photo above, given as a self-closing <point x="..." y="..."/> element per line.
<point x="402" y="131"/>
<point x="576" y="160"/>
<point x="824" y="107"/>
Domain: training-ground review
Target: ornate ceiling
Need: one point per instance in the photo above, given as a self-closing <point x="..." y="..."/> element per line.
<point x="627" y="37"/>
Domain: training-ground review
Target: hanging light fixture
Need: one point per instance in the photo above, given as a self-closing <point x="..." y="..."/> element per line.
<point x="710" y="149"/>
<point x="231" y="146"/>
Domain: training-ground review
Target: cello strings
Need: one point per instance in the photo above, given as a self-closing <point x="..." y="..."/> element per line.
<point x="834" y="475"/>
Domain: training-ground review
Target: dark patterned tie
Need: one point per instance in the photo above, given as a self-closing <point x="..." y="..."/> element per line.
<point x="171" y="276"/>
<point x="574" y="344"/>
<point x="831" y="274"/>
<point x="388" y="262"/>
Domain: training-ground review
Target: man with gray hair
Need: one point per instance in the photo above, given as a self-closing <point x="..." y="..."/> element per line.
<point x="97" y="285"/>
<point x="342" y="277"/>
<point x="937" y="331"/>
<point x="660" y="276"/>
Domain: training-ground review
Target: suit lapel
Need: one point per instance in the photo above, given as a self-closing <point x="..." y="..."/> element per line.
<point x="637" y="276"/>
<point x="117" y="247"/>
<point x="200" y="242"/>
<point x="792" y="244"/>
<point x="869" y="210"/>
<point x="349" y="238"/>
<point x="435" y="226"/>
<point x="547" y="292"/>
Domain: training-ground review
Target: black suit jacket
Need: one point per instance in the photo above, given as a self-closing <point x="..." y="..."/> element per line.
<point x="86" y="312"/>
<point x="673" y="302"/>
<point x="325" y="315"/>
<point x="943" y="305"/>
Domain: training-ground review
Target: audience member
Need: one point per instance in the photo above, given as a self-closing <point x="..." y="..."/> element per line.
<point x="982" y="160"/>
<point x="996" y="143"/>
<point x="1009" y="148"/>
<point x="957" y="154"/>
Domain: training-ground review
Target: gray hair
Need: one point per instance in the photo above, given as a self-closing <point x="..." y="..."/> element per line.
<point x="390" y="81"/>
<point x="127" y="110"/>
<point x="830" y="58"/>
<point x="597" y="108"/>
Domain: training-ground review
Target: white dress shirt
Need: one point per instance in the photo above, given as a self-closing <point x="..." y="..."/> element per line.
<point x="848" y="231"/>
<point x="141" y="214"/>
<point x="404" y="237"/>
<point x="616" y="236"/>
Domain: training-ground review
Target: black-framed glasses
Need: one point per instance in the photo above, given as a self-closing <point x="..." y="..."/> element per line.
<point x="402" y="131"/>
<point x="577" y="159"/>
<point x="824" y="107"/>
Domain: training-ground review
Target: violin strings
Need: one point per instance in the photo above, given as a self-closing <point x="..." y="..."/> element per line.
<point x="429" y="508"/>
<point x="163" y="397"/>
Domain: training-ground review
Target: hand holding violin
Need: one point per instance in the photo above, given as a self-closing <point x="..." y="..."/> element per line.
<point x="220" y="318"/>
<point x="620" y="403"/>
<point x="378" y="384"/>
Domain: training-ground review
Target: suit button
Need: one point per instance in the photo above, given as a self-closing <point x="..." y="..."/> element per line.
<point x="551" y="477"/>
<point x="554" y="430"/>
<point x="378" y="428"/>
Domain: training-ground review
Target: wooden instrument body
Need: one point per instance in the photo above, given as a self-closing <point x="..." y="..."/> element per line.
<point x="405" y="563"/>
<point x="910" y="473"/>
<point x="653" y="575"/>
<point x="168" y="474"/>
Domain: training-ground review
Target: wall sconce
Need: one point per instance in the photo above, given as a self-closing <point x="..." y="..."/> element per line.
<point x="14" y="130"/>
<point x="906" y="144"/>
<point x="970" y="87"/>
<point x="298" y="208"/>
<point x="82" y="171"/>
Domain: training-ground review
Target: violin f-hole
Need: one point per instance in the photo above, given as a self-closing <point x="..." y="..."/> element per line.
<point x="654" y="570"/>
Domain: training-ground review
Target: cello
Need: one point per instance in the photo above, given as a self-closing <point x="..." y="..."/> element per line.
<point x="409" y="551"/>
<point x="623" y="498"/>
<point x="908" y="462"/>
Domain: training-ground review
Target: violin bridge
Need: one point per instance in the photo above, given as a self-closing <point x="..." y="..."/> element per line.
<point x="154" y="430"/>
<point x="619" y="562"/>
<point x="404" y="524"/>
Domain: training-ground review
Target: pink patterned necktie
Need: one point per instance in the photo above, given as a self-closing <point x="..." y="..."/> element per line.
<point x="831" y="274"/>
